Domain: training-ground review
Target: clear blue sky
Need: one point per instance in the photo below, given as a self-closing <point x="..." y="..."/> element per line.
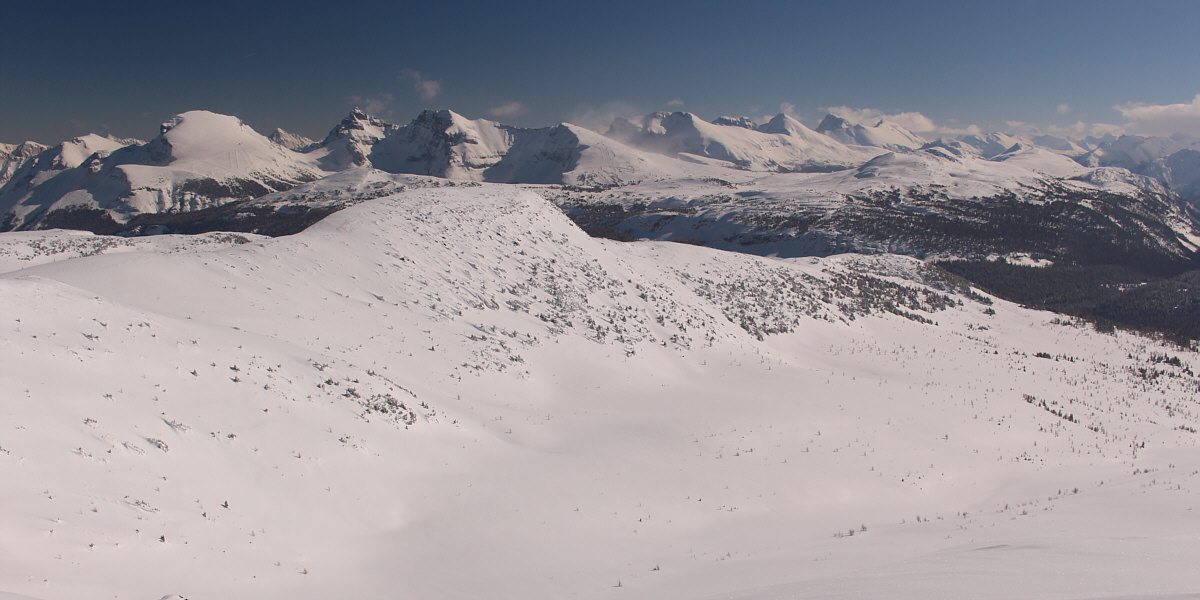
<point x="68" y="68"/>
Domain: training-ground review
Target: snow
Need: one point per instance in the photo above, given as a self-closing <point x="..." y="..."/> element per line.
<point x="32" y="164"/>
<point x="199" y="160"/>
<point x="348" y="144"/>
<point x="1133" y="152"/>
<point x="448" y="145"/>
<point x="202" y="160"/>
<point x="568" y="416"/>
<point x="1062" y="145"/>
<point x="783" y="143"/>
<point x="1042" y="161"/>
<point x="883" y="134"/>
<point x="990" y="145"/>
<point x="1174" y="160"/>
<point x="22" y="249"/>
<point x="14" y="156"/>
<point x="291" y="141"/>
<point x="207" y="144"/>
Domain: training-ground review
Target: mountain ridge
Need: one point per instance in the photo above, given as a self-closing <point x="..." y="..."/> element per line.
<point x="732" y="184"/>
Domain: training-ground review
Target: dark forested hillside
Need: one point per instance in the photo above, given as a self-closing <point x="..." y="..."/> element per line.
<point x="1144" y="300"/>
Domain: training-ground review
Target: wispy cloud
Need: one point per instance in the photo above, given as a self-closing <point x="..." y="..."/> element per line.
<point x="1063" y="109"/>
<point x="508" y="109"/>
<point x="428" y="89"/>
<point x="1162" y="119"/>
<point x="378" y="105"/>
<point x="600" y="117"/>
<point x="676" y="103"/>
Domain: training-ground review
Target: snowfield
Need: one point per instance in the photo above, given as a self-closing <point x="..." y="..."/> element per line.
<point x="454" y="392"/>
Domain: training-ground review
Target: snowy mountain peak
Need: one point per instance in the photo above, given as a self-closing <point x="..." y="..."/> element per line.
<point x="743" y="122"/>
<point x="199" y="160"/>
<point x="349" y="142"/>
<point x="358" y="120"/>
<point x="784" y="124"/>
<point x="442" y="143"/>
<point x="25" y="170"/>
<point x="884" y="134"/>
<point x="1062" y="145"/>
<point x="25" y="149"/>
<point x="13" y="156"/>
<point x="200" y="133"/>
<point x="832" y="122"/>
<point x="169" y="124"/>
<point x="440" y="119"/>
<point x="782" y="144"/>
<point x="291" y="141"/>
<point x="990" y="145"/>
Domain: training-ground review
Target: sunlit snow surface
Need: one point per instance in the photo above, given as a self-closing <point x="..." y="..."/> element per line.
<point x="455" y="393"/>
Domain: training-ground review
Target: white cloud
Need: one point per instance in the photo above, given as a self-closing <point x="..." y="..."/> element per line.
<point x="508" y="109"/>
<point x="428" y="89"/>
<point x="912" y="121"/>
<point x="376" y="106"/>
<point x="971" y="129"/>
<point x="1101" y="129"/>
<point x="675" y="103"/>
<point x="600" y="118"/>
<point x="786" y="108"/>
<point x="1063" y="109"/>
<point x="1162" y="119"/>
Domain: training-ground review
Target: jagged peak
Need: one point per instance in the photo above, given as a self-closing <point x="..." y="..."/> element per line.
<point x="950" y="145"/>
<point x="24" y="149"/>
<point x="357" y="120"/>
<point x="743" y="122"/>
<point x="782" y="123"/>
<point x="441" y="119"/>
<point x="832" y="122"/>
<point x="291" y="141"/>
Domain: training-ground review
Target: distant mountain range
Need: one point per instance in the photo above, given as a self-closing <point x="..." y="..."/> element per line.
<point x="775" y="188"/>
<point x="201" y="160"/>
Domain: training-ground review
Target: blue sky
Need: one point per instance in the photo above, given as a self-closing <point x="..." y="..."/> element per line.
<point x="69" y="68"/>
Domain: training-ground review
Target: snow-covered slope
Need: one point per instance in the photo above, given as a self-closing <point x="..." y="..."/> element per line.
<point x="577" y="156"/>
<point x="454" y="392"/>
<point x="782" y="144"/>
<point x="350" y="141"/>
<point x="446" y="144"/>
<point x="990" y="145"/>
<point x="1181" y="171"/>
<point x="883" y="134"/>
<point x="13" y="156"/>
<point x="199" y="160"/>
<point x="1135" y="152"/>
<point x="202" y="161"/>
<point x="944" y="200"/>
<point x="45" y="163"/>
<point x="443" y="144"/>
<point x="1174" y="160"/>
<point x="291" y="141"/>
<point x="1039" y="160"/>
<point x="24" y="249"/>
<point x="1062" y="145"/>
